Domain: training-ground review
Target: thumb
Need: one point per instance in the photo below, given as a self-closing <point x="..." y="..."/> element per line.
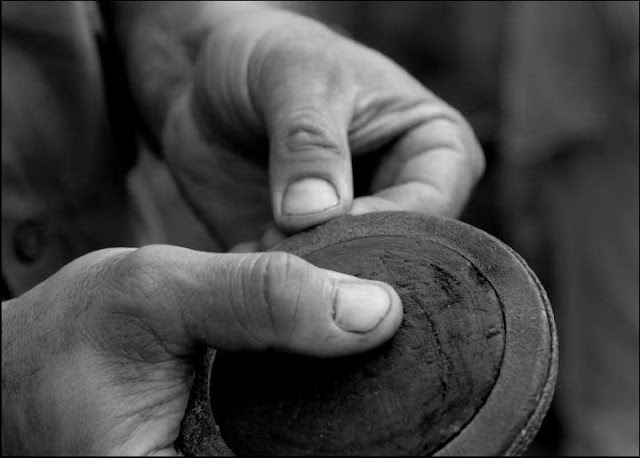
<point x="258" y="301"/>
<point x="304" y="95"/>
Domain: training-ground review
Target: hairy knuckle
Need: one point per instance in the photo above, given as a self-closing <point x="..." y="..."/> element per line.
<point x="82" y="290"/>
<point x="140" y="273"/>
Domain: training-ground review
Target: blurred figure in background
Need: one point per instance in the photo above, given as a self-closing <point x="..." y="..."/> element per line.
<point x="551" y="89"/>
<point x="570" y="152"/>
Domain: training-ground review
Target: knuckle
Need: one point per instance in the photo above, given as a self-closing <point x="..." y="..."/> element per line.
<point x="461" y="133"/>
<point x="85" y="293"/>
<point x="275" y="270"/>
<point x="83" y="290"/>
<point x="139" y="274"/>
<point x="305" y="133"/>
<point x="301" y="48"/>
<point x="301" y="42"/>
<point x="280" y="276"/>
<point x="449" y="133"/>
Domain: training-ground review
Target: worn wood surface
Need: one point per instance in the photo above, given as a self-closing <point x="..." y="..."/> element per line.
<point x="473" y="312"/>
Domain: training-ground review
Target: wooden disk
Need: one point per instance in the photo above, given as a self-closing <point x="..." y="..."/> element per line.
<point x="470" y="371"/>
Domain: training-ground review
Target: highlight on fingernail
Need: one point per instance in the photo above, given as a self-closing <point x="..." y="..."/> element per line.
<point x="360" y="306"/>
<point x="309" y="195"/>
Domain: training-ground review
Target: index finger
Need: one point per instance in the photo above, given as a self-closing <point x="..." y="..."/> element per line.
<point x="431" y="169"/>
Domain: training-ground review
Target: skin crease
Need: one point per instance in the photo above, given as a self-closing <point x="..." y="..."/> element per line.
<point x="349" y="101"/>
<point x="243" y="100"/>
<point x="117" y="332"/>
<point x="431" y="169"/>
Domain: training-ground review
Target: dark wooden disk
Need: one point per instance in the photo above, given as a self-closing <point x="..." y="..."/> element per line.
<point x="470" y="371"/>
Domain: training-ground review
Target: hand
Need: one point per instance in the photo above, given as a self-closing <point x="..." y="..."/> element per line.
<point x="99" y="358"/>
<point x="279" y="105"/>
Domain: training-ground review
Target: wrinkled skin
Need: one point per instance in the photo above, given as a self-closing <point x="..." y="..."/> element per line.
<point x="98" y="358"/>
<point x="308" y="100"/>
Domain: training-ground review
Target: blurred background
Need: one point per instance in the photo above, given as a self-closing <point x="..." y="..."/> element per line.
<point x="551" y="89"/>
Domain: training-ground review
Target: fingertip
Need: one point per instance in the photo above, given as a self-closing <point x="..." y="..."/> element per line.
<point x="309" y="195"/>
<point x="369" y="307"/>
<point x="310" y="201"/>
<point x="391" y="322"/>
<point x="370" y="204"/>
<point x="271" y="237"/>
<point x="367" y="312"/>
<point x="339" y="314"/>
<point x="246" y="247"/>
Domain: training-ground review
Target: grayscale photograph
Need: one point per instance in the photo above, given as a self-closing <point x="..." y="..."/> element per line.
<point x="320" y="228"/>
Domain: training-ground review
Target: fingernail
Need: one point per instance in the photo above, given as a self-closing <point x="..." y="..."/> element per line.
<point x="309" y="195"/>
<point x="360" y="307"/>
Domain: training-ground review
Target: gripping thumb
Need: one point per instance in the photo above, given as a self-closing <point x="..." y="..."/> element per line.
<point x="305" y="96"/>
<point x="258" y="301"/>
